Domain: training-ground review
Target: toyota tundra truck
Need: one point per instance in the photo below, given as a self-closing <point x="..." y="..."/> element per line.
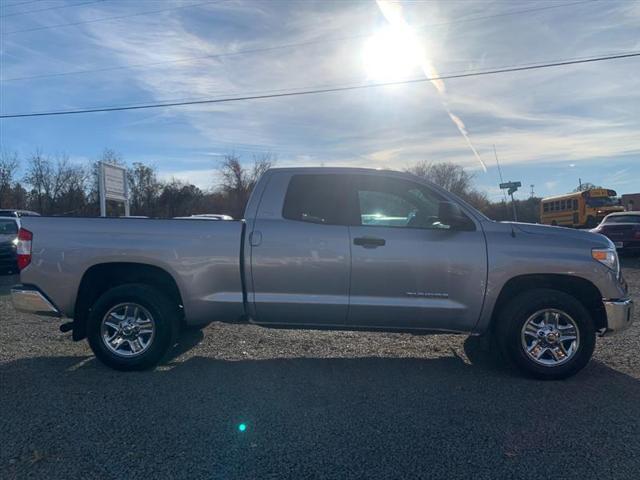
<point x="328" y="248"/>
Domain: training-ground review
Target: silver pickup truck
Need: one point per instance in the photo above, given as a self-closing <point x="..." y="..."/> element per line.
<point x="328" y="248"/>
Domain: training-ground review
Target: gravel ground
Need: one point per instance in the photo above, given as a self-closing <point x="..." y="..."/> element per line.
<point x="315" y="405"/>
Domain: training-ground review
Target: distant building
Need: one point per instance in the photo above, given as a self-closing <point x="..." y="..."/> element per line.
<point x="631" y="202"/>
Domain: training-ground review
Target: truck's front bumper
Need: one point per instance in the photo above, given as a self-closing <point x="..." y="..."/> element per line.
<point x="28" y="299"/>
<point x="619" y="315"/>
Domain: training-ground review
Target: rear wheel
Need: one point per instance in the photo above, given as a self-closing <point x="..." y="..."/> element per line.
<point x="546" y="333"/>
<point x="132" y="327"/>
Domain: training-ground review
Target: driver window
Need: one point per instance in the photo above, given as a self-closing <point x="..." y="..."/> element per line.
<point x="389" y="202"/>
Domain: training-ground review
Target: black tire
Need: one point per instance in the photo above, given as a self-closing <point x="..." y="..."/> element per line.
<point x="165" y="317"/>
<point x="515" y="314"/>
<point x="591" y="222"/>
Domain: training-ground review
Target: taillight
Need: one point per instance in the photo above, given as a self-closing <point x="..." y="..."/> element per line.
<point x="23" y="249"/>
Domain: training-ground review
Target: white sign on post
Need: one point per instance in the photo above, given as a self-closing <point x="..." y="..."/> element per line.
<point x="114" y="180"/>
<point x="113" y="186"/>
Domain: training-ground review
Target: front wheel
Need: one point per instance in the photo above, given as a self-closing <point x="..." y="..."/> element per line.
<point x="132" y="327"/>
<point x="546" y="333"/>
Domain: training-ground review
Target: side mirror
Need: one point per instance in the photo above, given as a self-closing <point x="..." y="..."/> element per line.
<point x="450" y="214"/>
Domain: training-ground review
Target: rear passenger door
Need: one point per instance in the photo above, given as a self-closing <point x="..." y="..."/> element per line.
<point x="300" y="251"/>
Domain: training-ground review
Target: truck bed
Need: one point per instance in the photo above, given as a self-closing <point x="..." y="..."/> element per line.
<point x="202" y="256"/>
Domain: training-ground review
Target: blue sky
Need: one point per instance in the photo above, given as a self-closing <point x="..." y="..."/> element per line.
<point x="550" y="127"/>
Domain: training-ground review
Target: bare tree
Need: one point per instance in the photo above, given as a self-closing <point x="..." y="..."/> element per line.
<point x="38" y="177"/>
<point x="477" y="199"/>
<point x="449" y="176"/>
<point x="57" y="186"/>
<point x="19" y="197"/>
<point x="111" y="156"/>
<point x="261" y="163"/>
<point x="70" y="188"/>
<point x="455" y="179"/>
<point x="234" y="177"/>
<point x="8" y="168"/>
<point x="238" y="181"/>
<point x="144" y="189"/>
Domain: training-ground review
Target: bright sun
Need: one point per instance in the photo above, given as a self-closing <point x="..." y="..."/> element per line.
<point x="392" y="54"/>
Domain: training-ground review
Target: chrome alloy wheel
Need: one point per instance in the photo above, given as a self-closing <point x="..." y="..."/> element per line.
<point x="128" y="329"/>
<point x="550" y="337"/>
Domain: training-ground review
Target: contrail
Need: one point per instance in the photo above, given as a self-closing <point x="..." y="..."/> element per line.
<point x="393" y="14"/>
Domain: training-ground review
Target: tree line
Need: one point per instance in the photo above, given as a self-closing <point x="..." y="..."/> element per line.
<point x="53" y="185"/>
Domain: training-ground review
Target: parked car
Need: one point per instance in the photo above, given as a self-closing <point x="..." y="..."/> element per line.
<point x="623" y="229"/>
<point x="329" y="248"/>
<point x="9" y="227"/>
<point x="205" y="216"/>
<point x="18" y="213"/>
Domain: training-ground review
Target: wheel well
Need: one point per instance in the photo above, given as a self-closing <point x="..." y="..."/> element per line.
<point x="583" y="290"/>
<point x="102" y="277"/>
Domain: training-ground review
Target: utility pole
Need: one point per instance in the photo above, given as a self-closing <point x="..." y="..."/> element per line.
<point x="532" y="192"/>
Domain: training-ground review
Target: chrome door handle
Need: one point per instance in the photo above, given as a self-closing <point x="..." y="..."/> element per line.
<point x="369" y="242"/>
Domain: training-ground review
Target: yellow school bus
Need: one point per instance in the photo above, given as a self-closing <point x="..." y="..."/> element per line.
<point x="579" y="209"/>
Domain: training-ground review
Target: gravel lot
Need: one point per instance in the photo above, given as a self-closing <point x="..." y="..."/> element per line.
<point x="315" y="404"/>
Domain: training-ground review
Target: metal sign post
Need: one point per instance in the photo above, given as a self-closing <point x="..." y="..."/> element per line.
<point x="113" y="186"/>
<point x="511" y="188"/>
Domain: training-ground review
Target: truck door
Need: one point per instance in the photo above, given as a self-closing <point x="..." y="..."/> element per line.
<point x="300" y="251"/>
<point x="409" y="270"/>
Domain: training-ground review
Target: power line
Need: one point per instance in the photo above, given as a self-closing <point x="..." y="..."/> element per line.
<point x="148" y="12"/>
<point x="282" y="46"/>
<point x="317" y="91"/>
<point x="50" y="8"/>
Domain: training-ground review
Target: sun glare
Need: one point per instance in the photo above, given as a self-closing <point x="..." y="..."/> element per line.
<point x="392" y="54"/>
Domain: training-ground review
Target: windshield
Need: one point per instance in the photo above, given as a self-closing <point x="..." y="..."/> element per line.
<point x="623" y="219"/>
<point x="602" y="202"/>
<point x="8" y="227"/>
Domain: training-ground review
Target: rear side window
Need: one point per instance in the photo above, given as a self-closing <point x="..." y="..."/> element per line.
<point x="317" y="199"/>
<point x="8" y="227"/>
